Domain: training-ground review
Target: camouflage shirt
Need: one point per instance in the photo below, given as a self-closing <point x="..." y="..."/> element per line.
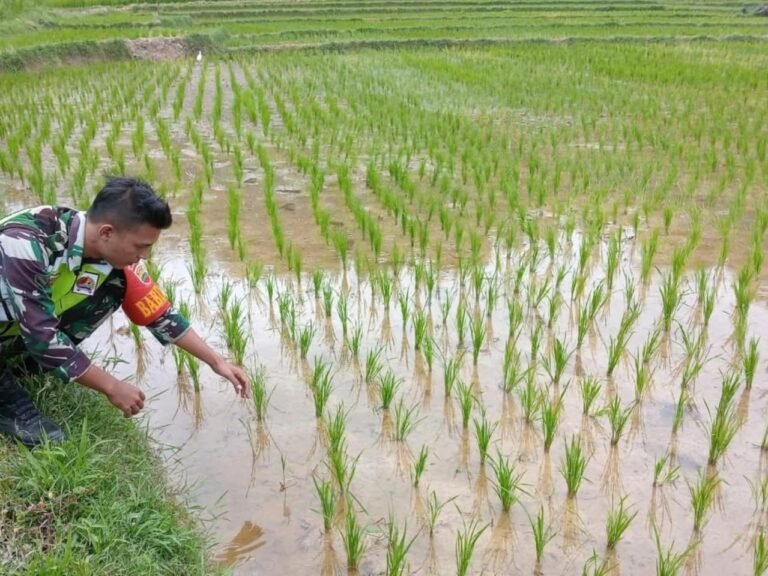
<point x="35" y="246"/>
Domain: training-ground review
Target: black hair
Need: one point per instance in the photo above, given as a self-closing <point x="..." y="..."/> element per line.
<point x="130" y="202"/>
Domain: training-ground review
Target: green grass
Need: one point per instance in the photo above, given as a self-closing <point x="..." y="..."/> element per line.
<point x="96" y="503"/>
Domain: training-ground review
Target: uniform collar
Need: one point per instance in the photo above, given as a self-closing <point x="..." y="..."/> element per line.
<point x="76" y="241"/>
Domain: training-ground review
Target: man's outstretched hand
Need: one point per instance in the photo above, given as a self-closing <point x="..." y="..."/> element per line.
<point x="235" y="375"/>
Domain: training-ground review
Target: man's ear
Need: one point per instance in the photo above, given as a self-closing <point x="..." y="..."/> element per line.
<point x="106" y="231"/>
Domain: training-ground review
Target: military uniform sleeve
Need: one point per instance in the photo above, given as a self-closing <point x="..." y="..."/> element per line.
<point x="169" y="327"/>
<point x="23" y="270"/>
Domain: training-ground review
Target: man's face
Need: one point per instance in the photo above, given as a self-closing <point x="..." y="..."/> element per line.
<point x="125" y="247"/>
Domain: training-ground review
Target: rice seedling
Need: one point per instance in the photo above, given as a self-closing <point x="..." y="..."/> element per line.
<point x="336" y="426"/>
<point x="420" y="464"/>
<point x="742" y="291"/>
<point x="353" y="537"/>
<point x="702" y="497"/>
<point x="515" y="318"/>
<point x="388" y="385"/>
<point x="317" y="282"/>
<point x="483" y="433"/>
<point x="253" y="272"/>
<point x="724" y="426"/>
<point x="560" y="357"/>
<point x="342" y="468"/>
<point x="619" y="520"/>
<point x="428" y="350"/>
<point x="397" y="548"/>
<point x="573" y="465"/>
<point x="461" y="320"/>
<point x="342" y="309"/>
<point x="590" y="388"/>
<point x="328" y="497"/>
<point x="451" y="369"/>
<point x="612" y="259"/>
<point x="618" y="418"/>
<point x="749" y="361"/>
<point x="328" y="300"/>
<point x="420" y="323"/>
<point x="669" y="563"/>
<point x="405" y="420"/>
<point x="355" y="340"/>
<point x="373" y="365"/>
<point x="760" y="555"/>
<point x="477" y="333"/>
<point x="664" y="472"/>
<point x="513" y="373"/>
<point x="508" y="481"/>
<point x="404" y="301"/>
<point x="651" y="346"/>
<point x="259" y="394"/>
<point x="531" y="397"/>
<point x="466" y="401"/>
<point x="321" y="385"/>
<point x="542" y="533"/>
<point x="536" y="335"/>
<point x="434" y="507"/>
<point x="465" y="546"/>
<point x="670" y="298"/>
<point x="306" y="335"/>
<point x="550" y="418"/>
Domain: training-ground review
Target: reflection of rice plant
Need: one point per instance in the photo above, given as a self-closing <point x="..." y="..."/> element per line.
<point x="465" y="546"/>
<point x="542" y="533"/>
<point x="420" y="464"/>
<point x="573" y="465"/>
<point x="702" y="497"/>
<point x="405" y="420"/>
<point x="590" y="389"/>
<point x="618" y="418"/>
<point x="508" y="481"/>
<point x="477" y="334"/>
<point x="483" y="433"/>
<point x="353" y="538"/>
<point x="397" y="548"/>
<point x="619" y="520"/>
<point x="388" y="385"/>
<point x="373" y="365"/>
<point x="259" y="394"/>
<point x="327" y="496"/>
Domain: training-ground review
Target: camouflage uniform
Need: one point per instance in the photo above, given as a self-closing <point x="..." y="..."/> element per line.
<point x="41" y="249"/>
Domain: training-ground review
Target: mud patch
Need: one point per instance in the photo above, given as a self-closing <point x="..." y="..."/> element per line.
<point x="160" y="48"/>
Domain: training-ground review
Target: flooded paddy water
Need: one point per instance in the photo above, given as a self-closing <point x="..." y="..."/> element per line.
<point x="503" y="330"/>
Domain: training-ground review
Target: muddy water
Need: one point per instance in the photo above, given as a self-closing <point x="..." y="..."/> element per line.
<point x="256" y="487"/>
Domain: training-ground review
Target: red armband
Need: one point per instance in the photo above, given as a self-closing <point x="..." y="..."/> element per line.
<point x="144" y="301"/>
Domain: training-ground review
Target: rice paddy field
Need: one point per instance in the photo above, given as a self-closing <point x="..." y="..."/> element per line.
<point x="503" y="304"/>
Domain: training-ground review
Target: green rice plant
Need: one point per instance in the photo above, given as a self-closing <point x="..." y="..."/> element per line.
<point x="373" y="365"/>
<point x="618" y="418"/>
<point x="708" y="305"/>
<point x="670" y="298"/>
<point x="619" y="520"/>
<point x="259" y="394"/>
<point x="404" y="300"/>
<point x="342" y="467"/>
<point x="702" y="497"/>
<point x="477" y="333"/>
<point x="760" y="555"/>
<point x="466" y="401"/>
<point x="461" y="320"/>
<point x="397" y="548"/>
<point x="342" y="309"/>
<point x="328" y="300"/>
<point x="451" y="370"/>
<point x="724" y="426"/>
<point x="573" y="465"/>
<point x="550" y="418"/>
<point x="515" y="319"/>
<point x="483" y="433"/>
<point x="253" y="272"/>
<point x="434" y="507"/>
<point x="306" y="335"/>
<point x="680" y="405"/>
<point x="642" y="376"/>
<point x="669" y="563"/>
<point x="317" y="282"/>
<point x="536" y="335"/>
<point x="420" y="464"/>
<point x="612" y="259"/>
<point x="465" y="546"/>
<point x="513" y="373"/>
<point x="664" y="472"/>
<point x="595" y="566"/>
<point x="193" y="365"/>
<point x="428" y="350"/>
<point x="355" y="340"/>
<point x="328" y="497"/>
<point x="270" y="284"/>
<point x="508" y="481"/>
<point x="749" y="360"/>
<point x="336" y="427"/>
<point x="321" y="385"/>
<point x="651" y="346"/>
<point x="445" y="309"/>
<point x="234" y="331"/>
<point x="405" y="420"/>
<point x="353" y="537"/>
<point x="388" y="385"/>
<point x="386" y="286"/>
<point x="531" y="397"/>
<point x="590" y="388"/>
<point x="560" y="357"/>
<point x="420" y="324"/>
<point x="542" y="533"/>
<point x="742" y="291"/>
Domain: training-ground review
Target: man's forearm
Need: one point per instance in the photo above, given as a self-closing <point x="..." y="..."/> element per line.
<point x="192" y="343"/>
<point x="97" y="379"/>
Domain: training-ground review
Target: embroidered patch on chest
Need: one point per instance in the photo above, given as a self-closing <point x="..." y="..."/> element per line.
<point x="86" y="283"/>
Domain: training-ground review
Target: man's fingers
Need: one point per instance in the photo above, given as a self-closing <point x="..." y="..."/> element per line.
<point x="141" y="395"/>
